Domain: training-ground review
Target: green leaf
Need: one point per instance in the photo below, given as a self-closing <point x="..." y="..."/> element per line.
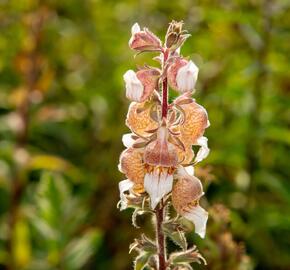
<point x="141" y="261"/>
<point x="179" y="239"/>
<point x="80" y="249"/>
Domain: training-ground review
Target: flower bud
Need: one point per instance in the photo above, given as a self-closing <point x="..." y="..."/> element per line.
<point x="173" y="34"/>
<point x="182" y="75"/>
<point x="143" y="40"/>
<point x="140" y="85"/>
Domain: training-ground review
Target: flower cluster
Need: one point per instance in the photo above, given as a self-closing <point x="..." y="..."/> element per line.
<point x="158" y="160"/>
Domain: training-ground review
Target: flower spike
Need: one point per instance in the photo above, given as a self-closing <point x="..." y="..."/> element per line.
<point x="159" y="160"/>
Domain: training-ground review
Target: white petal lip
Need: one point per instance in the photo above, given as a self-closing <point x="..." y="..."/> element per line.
<point x="157" y="186"/>
<point x="203" y="151"/>
<point x="198" y="216"/>
<point x="124" y="186"/>
<point x="135" y="28"/>
<point x="186" y="77"/>
<point x="127" y="140"/>
<point x="134" y="87"/>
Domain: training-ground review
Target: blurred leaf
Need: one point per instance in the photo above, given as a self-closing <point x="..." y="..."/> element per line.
<point x="79" y="250"/>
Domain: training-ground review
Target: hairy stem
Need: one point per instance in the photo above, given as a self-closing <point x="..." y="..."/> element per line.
<point x="160" y="213"/>
<point x="165" y="89"/>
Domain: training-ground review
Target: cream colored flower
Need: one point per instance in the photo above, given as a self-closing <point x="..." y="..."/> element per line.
<point x="186" y="193"/>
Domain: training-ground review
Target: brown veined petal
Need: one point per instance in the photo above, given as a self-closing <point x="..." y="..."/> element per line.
<point x="185" y="198"/>
<point x="141" y="121"/>
<point x="161" y="152"/>
<point x="196" y="121"/>
<point x="132" y="166"/>
<point x="186" y="191"/>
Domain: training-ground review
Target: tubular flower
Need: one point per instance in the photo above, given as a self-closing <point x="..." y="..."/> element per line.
<point x="132" y="166"/>
<point x="139" y="120"/>
<point x="160" y="158"/>
<point x="140" y="85"/>
<point x="185" y="199"/>
<point x="182" y="75"/>
<point x="143" y="39"/>
<point x="195" y="122"/>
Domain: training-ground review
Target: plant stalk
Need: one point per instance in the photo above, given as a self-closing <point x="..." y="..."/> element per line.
<point x="160" y="211"/>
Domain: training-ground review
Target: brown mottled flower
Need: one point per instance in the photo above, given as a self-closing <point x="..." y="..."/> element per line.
<point x="186" y="193"/>
<point x="160" y="157"/>
<point x="139" y="120"/>
<point x="131" y="165"/>
<point x="195" y="123"/>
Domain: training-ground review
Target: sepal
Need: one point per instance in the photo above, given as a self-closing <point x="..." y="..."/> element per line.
<point x="185" y="257"/>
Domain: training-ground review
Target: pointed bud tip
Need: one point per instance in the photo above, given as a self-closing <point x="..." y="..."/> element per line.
<point x="135" y="28"/>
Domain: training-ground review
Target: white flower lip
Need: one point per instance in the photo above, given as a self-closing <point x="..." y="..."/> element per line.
<point x="135" y="28"/>
<point x="134" y="87"/>
<point x="157" y="186"/>
<point x="198" y="216"/>
<point x="203" y="151"/>
<point x="187" y="77"/>
<point x="124" y="186"/>
<point x="127" y="140"/>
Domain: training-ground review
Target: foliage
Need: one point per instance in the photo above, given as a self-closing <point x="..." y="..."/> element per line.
<point x="62" y="107"/>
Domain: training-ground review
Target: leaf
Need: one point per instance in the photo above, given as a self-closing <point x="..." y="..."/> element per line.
<point x="141" y="261"/>
<point x="175" y="232"/>
<point x="143" y="244"/>
<point x="179" y="239"/>
<point x="189" y="256"/>
<point x="21" y="244"/>
<point x="80" y="249"/>
<point x="54" y="163"/>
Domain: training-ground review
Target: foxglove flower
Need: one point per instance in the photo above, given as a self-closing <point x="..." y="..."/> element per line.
<point x="196" y="120"/>
<point x="143" y="40"/>
<point x="182" y="75"/>
<point x="132" y="166"/>
<point x="185" y="199"/>
<point x="139" y="120"/>
<point x="161" y="159"/>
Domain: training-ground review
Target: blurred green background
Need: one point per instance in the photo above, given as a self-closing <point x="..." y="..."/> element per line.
<point x="62" y="113"/>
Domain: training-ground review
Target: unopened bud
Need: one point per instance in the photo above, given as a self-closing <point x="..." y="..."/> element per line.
<point x="182" y="75"/>
<point x="140" y="85"/>
<point x="143" y="40"/>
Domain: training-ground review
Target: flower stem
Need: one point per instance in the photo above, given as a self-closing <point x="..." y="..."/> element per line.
<point x="160" y="213"/>
<point x="165" y="88"/>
